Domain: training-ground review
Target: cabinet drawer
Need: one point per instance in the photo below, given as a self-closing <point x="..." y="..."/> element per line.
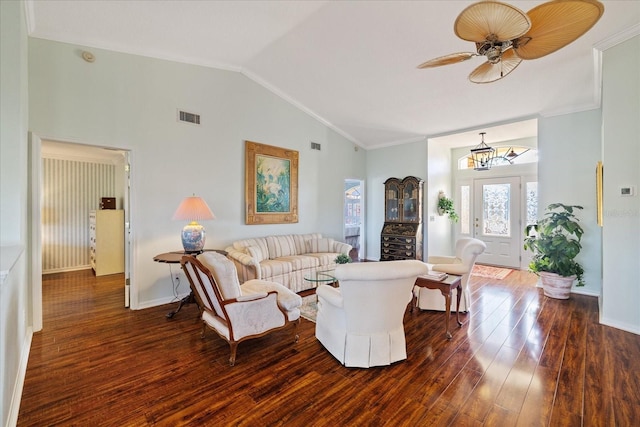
<point x="392" y="257"/>
<point x="398" y="248"/>
<point x="411" y="253"/>
<point x="398" y="239"/>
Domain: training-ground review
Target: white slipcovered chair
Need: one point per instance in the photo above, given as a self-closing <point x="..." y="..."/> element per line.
<point x="361" y="322"/>
<point x="235" y="312"/>
<point x="461" y="264"/>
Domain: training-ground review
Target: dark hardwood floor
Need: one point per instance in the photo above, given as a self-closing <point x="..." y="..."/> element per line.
<point x="519" y="360"/>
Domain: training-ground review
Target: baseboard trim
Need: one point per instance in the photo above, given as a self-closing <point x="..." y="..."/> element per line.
<point x="16" y="396"/>
<point x="161" y="301"/>
<point x="634" y="329"/>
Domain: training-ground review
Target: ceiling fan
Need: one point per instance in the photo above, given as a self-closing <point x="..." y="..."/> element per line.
<point x="505" y="35"/>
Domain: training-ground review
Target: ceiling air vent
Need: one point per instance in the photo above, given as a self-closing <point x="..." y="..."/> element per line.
<point x="315" y="146"/>
<point x="186" y="117"/>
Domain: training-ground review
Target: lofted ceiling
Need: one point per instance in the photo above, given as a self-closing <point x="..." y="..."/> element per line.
<point x="351" y="64"/>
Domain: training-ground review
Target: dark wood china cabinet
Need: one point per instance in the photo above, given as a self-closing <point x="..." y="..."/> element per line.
<point x="401" y="236"/>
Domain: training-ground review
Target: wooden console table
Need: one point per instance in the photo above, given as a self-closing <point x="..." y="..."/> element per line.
<point x="445" y="286"/>
<point x="174" y="258"/>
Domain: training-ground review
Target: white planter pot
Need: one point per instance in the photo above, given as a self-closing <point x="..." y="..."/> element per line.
<point x="556" y="286"/>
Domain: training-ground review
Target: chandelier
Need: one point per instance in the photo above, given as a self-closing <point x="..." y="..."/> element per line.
<point x="482" y="155"/>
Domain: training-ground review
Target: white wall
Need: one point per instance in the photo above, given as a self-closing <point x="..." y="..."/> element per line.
<point x="440" y="231"/>
<point x="398" y="161"/>
<point x="15" y="332"/>
<point x="130" y="102"/>
<point x="620" y="304"/>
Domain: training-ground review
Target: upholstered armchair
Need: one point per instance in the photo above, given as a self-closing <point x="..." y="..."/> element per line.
<point x="361" y="322"/>
<point x="237" y="313"/>
<point x="461" y="264"/>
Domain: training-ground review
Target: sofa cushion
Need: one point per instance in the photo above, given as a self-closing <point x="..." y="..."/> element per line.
<point x="260" y="242"/>
<point x="256" y="253"/>
<point x="280" y="246"/>
<point x="224" y="273"/>
<point x="275" y="268"/>
<point x="301" y="240"/>
<point x="320" y="245"/>
<point x="301" y="262"/>
<point x="324" y="258"/>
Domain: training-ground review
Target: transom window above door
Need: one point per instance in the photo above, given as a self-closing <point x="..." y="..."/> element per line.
<point x="505" y="156"/>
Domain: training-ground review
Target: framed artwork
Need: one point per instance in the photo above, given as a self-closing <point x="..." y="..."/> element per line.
<point x="599" y="178"/>
<point x="271" y="184"/>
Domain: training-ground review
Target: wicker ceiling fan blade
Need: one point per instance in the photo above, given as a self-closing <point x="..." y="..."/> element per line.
<point x="555" y="24"/>
<point x="488" y="20"/>
<point x="490" y="72"/>
<point x="453" y="58"/>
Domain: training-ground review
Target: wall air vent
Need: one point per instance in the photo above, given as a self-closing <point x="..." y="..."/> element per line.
<point x="315" y="146"/>
<point x="186" y="117"/>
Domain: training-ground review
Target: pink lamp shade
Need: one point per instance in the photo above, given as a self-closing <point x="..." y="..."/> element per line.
<point x="193" y="209"/>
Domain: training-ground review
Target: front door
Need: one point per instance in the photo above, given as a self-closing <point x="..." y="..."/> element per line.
<point x="496" y="220"/>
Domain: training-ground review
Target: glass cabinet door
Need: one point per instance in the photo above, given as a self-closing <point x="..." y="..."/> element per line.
<point x="410" y="202"/>
<point x="392" y="202"/>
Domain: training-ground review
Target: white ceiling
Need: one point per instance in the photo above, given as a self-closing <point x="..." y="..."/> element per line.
<point x="351" y="64"/>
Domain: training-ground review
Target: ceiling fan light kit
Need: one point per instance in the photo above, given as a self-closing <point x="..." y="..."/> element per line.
<point x="505" y="35"/>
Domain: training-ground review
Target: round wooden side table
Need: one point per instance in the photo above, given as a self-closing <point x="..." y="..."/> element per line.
<point x="174" y="258"/>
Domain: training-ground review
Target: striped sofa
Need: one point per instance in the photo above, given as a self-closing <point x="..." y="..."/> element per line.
<point x="285" y="259"/>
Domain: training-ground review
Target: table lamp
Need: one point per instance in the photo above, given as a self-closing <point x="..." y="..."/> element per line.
<point x="193" y="209"/>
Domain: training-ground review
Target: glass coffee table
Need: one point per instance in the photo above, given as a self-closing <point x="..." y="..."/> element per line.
<point x="326" y="277"/>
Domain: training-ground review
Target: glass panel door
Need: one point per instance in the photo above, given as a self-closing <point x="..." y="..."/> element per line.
<point x="496" y="220"/>
<point x="410" y="203"/>
<point x="392" y="202"/>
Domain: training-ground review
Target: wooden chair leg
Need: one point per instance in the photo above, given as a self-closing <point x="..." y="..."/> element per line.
<point x="232" y="357"/>
<point x="296" y="337"/>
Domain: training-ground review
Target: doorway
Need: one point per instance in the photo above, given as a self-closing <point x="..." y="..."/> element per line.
<point x="354" y="217"/>
<point x="79" y="168"/>
<point x="496" y="220"/>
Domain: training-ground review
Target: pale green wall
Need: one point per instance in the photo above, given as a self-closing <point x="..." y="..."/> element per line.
<point x="15" y="331"/>
<point x="398" y="161"/>
<point x="13" y="132"/>
<point x="621" y="159"/>
<point x="129" y="101"/>
<point x="568" y="151"/>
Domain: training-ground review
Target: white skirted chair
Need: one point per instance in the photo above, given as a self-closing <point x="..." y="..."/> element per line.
<point x="461" y="264"/>
<point x="361" y="322"/>
<point x="235" y="312"/>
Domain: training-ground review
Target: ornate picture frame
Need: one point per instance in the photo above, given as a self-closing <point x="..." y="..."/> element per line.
<point x="271" y="184"/>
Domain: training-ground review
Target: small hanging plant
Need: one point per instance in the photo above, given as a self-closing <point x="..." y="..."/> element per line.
<point x="445" y="206"/>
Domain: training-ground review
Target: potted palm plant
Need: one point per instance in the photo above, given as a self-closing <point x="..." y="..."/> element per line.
<point x="555" y="244"/>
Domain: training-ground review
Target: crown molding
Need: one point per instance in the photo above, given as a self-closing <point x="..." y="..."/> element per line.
<point x="30" y="16"/>
<point x="618" y="38"/>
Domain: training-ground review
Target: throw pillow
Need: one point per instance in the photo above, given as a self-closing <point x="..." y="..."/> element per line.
<point x="256" y="253"/>
<point x="280" y="246"/>
<point x="320" y="245"/>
